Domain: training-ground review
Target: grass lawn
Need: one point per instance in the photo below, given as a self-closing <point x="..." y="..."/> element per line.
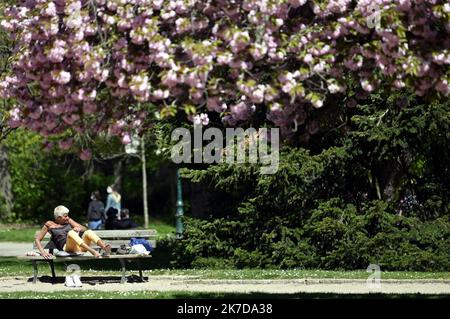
<point x="10" y="266"/>
<point x="92" y="294"/>
<point x="17" y="233"/>
<point x="297" y="274"/>
<point x="162" y="227"/>
<point x="25" y="233"/>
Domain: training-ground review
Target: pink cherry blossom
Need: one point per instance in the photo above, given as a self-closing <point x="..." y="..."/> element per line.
<point x="85" y="154"/>
<point x="94" y="65"/>
<point x="65" y="144"/>
<point x="126" y="139"/>
<point x="61" y="76"/>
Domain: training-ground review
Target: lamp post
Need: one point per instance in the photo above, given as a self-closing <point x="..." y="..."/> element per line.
<point x="180" y="211"/>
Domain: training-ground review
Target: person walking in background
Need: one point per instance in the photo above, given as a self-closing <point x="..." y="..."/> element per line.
<point x="96" y="210"/>
<point x="113" y="207"/>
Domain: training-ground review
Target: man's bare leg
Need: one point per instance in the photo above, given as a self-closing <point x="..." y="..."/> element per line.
<point x="106" y="247"/>
<point x="89" y="249"/>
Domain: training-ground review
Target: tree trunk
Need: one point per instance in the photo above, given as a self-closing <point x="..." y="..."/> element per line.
<point x="144" y="182"/>
<point x="6" y="197"/>
<point x="118" y="174"/>
<point x="398" y="177"/>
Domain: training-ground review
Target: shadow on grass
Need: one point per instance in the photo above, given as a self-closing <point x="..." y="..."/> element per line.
<point x="94" y="281"/>
<point x="156" y="262"/>
<point x="329" y="296"/>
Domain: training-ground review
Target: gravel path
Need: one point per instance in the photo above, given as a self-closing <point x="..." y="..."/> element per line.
<point x="183" y="283"/>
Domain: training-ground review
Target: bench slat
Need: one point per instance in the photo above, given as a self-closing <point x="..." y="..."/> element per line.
<point x="127" y="233"/>
<point x="113" y="243"/>
<point x="116" y="238"/>
<point x="110" y="234"/>
<point x="130" y="256"/>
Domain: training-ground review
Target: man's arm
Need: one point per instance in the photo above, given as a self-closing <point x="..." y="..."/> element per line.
<point x="76" y="227"/>
<point x="38" y="240"/>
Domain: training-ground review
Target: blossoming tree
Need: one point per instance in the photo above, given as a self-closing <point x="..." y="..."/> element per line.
<point x="92" y="66"/>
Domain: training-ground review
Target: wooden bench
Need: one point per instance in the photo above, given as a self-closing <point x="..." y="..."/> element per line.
<point x="115" y="238"/>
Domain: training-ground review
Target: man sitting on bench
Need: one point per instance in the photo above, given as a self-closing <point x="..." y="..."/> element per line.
<point x="69" y="236"/>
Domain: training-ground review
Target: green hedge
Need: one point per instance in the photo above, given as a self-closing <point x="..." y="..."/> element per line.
<point x="335" y="203"/>
<point x="334" y="236"/>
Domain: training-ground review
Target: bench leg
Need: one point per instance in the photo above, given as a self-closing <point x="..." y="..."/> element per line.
<point x="52" y="267"/>
<point x="124" y="278"/>
<point x="140" y="270"/>
<point x="35" y="271"/>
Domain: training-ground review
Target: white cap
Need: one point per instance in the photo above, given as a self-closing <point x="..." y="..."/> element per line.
<point x="60" y="211"/>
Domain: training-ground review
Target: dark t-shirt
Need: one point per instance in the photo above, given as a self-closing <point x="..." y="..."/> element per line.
<point x="95" y="210"/>
<point x="59" y="235"/>
<point x="124" y="224"/>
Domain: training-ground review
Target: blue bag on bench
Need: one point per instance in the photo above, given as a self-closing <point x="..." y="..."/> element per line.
<point x="142" y="241"/>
